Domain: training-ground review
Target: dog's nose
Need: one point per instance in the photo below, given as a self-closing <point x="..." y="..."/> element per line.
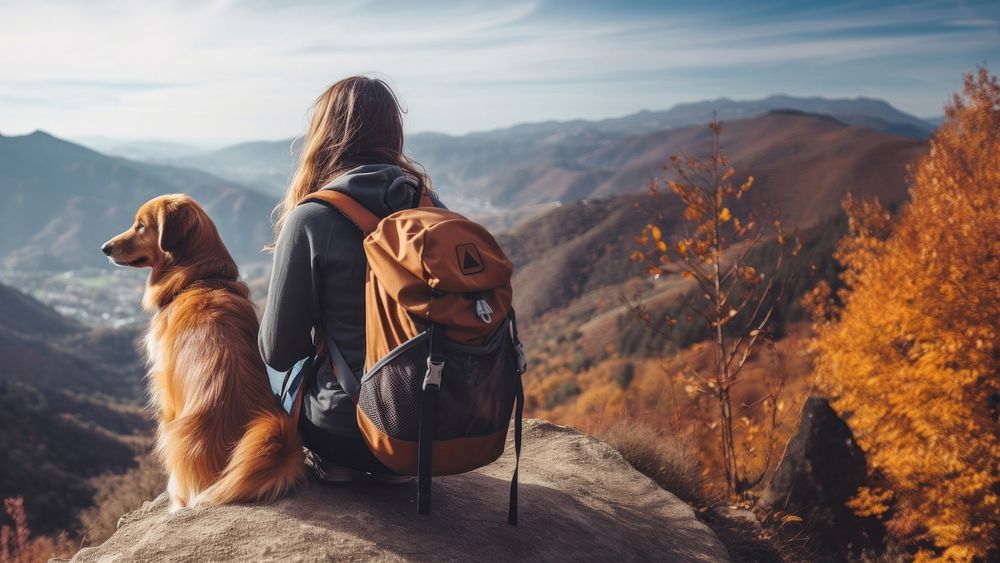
<point x="106" y="248"/>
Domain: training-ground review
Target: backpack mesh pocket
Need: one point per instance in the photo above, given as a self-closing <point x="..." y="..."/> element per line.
<point x="475" y="399"/>
<point x="390" y="395"/>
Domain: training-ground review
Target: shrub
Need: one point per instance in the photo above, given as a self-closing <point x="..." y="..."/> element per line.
<point x="17" y="545"/>
<point x="117" y="494"/>
<point x="623" y="376"/>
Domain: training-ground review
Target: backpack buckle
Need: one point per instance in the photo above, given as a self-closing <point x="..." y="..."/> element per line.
<point x="433" y="376"/>
<point x="484" y="311"/>
<point x="522" y="358"/>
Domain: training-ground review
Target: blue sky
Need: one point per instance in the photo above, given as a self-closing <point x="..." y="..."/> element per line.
<point x="223" y="71"/>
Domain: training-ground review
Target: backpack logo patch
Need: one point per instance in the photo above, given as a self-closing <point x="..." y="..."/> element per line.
<point x="469" y="260"/>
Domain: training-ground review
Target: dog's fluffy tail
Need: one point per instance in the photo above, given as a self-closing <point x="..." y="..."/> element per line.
<point x="266" y="463"/>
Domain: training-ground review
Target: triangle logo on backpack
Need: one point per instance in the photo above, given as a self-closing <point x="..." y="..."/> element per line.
<point x="469" y="260"/>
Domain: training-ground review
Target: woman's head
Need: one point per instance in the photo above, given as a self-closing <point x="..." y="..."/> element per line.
<point x="356" y="121"/>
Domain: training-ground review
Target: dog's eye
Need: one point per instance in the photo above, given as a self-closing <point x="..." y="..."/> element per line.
<point x="139" y="227"/>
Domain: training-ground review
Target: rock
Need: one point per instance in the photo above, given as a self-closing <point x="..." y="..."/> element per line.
<point x="579" y="500"/>
<point x="740" y="516"/>
<point x="822" y="470"/>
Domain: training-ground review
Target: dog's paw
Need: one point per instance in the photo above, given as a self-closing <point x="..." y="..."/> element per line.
<point x="196" y="502"/>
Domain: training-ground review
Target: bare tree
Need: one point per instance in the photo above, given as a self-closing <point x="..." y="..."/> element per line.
<point x="740" y="285"/>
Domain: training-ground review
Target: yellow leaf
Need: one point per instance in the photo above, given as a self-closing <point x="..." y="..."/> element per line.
<point x="725" y="215"/>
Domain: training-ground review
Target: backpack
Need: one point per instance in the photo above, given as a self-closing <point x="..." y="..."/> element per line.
<point x="443" y="361"/>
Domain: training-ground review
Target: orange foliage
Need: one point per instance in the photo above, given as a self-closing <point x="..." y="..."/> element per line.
<point x="16" y="545"/>
<point x="654" y="395"/>
<point x="914" y="354"/>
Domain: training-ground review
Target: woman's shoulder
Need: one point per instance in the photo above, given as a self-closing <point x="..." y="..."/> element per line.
<point x="312" y="216"/>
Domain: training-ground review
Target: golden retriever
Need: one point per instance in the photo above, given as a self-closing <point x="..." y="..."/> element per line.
<point x="221" y="434"/>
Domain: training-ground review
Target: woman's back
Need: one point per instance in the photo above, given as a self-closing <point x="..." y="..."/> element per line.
<point x="319" y="269"/>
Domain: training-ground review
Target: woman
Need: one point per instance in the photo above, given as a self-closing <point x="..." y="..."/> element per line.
<point x="354" y="145"/>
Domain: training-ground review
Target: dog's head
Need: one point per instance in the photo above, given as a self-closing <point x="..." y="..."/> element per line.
<point x="170" y="227"/>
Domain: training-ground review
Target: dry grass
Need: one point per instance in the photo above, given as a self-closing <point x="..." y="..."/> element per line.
<point x="671" y="461"/>
<point x="117" y="494"/>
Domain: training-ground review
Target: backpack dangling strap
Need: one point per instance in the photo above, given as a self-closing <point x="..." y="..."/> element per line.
<point x="428" y="402"/>
<point x="364" y="220"/>
<point x="522" y="366"/>
<point x="518" y="413"/>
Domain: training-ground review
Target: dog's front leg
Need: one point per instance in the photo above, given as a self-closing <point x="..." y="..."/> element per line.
<point x="178" y="497"/>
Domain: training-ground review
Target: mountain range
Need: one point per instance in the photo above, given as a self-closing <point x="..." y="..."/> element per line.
<point x="491" y="168"/>
<point x="61" y="201"/>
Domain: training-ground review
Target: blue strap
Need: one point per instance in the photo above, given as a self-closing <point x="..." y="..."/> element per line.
<point x="347" y="378"/>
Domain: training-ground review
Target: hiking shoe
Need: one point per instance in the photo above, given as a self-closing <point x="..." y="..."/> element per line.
<point x="326" y="471"/>
<point x="393" y="479"/>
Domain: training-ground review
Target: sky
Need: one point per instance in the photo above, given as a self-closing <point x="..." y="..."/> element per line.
<point x="214" y="72"/>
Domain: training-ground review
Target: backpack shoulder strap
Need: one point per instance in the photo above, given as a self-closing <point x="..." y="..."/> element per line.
<point x="358" y="214"/>
<point x="366" y="222"/>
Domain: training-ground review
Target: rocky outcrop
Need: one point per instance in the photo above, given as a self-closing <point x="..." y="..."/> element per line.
<point x="579" y="500"/>
<point x="822" y="470"/>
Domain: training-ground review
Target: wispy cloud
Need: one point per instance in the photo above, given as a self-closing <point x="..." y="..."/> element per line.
<point x="235" y="70"/>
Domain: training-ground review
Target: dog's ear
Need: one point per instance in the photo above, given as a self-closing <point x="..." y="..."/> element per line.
<point x="176" y="221"/>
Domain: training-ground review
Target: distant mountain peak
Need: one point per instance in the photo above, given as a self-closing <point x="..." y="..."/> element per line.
<point x="797" y="112"/>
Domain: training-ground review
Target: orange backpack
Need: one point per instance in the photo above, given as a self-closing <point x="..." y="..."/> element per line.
<point x="443" y="362"/>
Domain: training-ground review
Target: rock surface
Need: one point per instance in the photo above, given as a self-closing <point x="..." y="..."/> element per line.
<point x="822" y="470"/>
<point x="579" y="500"/>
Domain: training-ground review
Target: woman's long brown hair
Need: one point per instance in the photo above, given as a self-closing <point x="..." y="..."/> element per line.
<point x="354" y="122"/>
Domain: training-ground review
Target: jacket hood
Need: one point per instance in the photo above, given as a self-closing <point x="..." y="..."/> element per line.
<point x="382" y="188"/>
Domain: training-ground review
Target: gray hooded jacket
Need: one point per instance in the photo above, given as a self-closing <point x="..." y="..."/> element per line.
<point x="319" y="269"/>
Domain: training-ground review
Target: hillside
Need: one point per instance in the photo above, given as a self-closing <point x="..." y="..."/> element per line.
<point x="28" y="315"/>
<point x="61" y="201"/>
<point x="578" y="500"/>
<point x="805" y="156"/>
<point x="803" y="164"/>
<point x="69" y="408"/>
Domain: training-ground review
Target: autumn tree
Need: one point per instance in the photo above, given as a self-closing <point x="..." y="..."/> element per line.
<point x="711" y="245"/>
<point x="909" y="350"/>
